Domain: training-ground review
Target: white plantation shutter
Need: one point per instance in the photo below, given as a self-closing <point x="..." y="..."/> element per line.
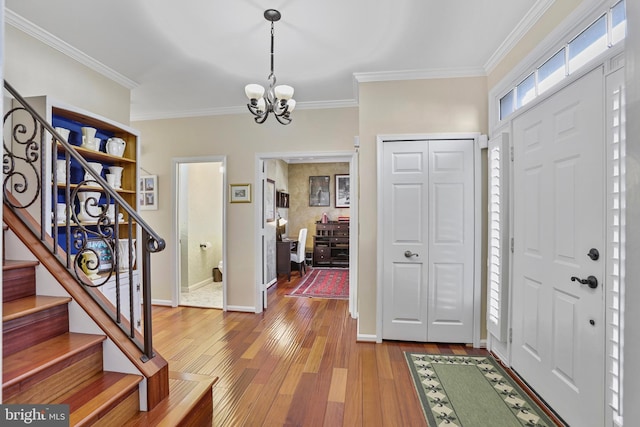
<point x="615" y="236"/>
<point x="498" y="237"/>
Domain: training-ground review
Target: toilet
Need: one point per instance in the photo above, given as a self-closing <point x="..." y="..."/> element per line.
<point x="217" y="273"/>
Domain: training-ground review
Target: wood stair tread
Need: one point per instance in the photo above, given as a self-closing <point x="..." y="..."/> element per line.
<point x="28" y="305"/>
<point x="93" y="398"/>
<point x="21" y="365"/>
<point x="187" y="391"/>
<point x="12" y="264"/>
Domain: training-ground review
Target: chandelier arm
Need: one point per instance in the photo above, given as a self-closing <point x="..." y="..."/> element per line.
<point x="283" y="120"/>
<point x="261" y="118"/>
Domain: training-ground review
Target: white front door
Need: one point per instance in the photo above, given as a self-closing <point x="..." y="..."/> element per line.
<point x="558" y="324"/>
<point x="428" y="240"/>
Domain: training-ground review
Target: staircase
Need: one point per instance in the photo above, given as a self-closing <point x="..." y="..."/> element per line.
<point x="45" y="363"/>
<point x="46" y="360"/>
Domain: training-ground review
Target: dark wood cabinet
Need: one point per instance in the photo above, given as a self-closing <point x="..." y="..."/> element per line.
<point x="331" y="244"/>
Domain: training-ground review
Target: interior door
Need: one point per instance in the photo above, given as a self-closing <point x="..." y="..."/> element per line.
<point x="558" y="325"/>
<point x="428" y="240"/>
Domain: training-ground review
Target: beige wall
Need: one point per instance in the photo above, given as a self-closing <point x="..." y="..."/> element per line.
<point x="301" y="215"/>
<point x="34" y="69"/>
<point x="558" y="11"/>
<point x="419" y="106"/>
<point x="239" y="138"/>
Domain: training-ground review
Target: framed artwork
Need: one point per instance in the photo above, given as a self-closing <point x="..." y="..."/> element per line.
<point x="148" y="193"/>
<point x="270" y="200"/>
<point x="319" y="191"/>
<point x="104" y="252"/>
<point x="342" y="191"/>
<point x="240" y="193"/>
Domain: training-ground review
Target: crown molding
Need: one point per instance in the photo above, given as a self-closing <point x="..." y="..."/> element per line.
<point x="221" y="111"/>
<point x="441" y="73"/>
<point x="28" y="27"/>
<point x="514" y="37"/>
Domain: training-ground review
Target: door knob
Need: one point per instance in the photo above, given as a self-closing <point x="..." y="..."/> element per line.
<point x="591" y="281"/>
<point x="410" y="254"/>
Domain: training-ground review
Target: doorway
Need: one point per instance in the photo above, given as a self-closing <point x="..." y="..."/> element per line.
<point x="266" y="231"/>
<point x="199" y="223"/>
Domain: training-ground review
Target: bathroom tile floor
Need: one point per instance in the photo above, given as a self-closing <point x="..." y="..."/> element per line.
<point x="207" y="296"/>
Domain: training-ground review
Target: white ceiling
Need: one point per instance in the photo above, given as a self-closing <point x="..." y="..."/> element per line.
<point x="194" y="57"/>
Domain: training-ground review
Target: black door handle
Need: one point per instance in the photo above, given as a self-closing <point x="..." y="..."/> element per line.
<point x="591" y="281"/>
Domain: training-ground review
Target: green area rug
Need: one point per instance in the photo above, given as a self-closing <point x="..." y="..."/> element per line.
<point x="471" y="391"/>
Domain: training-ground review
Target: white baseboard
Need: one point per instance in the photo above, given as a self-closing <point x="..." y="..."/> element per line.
<point x="200" y="284"/>
<point x="366" y="338"/>
<point x="242" y="308"/>
<point x="166" y="302"/>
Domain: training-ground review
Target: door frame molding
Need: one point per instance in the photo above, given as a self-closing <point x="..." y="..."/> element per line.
<point x="479" y="220"/>
<point x="176" y="162"/>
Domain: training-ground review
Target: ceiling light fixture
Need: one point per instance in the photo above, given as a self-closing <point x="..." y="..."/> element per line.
<point x="278" y="99"/>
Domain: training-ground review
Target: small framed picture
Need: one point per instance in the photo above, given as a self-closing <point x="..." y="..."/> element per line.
<point x="342" y="191"/>
<point x="319" y="191"/>
<point x="148" y="192"/>
<point x="240" y="193"/>
<point x="104" y="252"/>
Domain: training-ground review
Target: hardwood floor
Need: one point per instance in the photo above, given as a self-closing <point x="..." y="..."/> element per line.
<point x="297" y="364"/>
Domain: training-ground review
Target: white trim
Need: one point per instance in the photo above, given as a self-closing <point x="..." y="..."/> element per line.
<point x="327" y="156"/>
<point x="366" y="338"/>
<point x="176" y="161"/>
<point x="163" y="302"/>
<point x="441" y="73"/>
<point x="477" y="293"/>
<point x="242" y="308"/>
<point x="221" y="111"/>
<point x="60" y="45"/>
<point x="514" y="37"/>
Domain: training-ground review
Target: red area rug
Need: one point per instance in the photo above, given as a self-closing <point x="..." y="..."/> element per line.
<point x="330" y="283"/>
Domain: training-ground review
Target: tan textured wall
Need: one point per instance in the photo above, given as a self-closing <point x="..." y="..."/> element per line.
<point x="302" y="215"/>
<point x="35" y="69"/>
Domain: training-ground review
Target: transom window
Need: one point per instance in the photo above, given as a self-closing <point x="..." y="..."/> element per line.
<point x="605" y="32"/>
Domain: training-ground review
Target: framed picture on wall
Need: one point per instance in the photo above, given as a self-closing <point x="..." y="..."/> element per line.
<point x="240" y="193"/>
<point x="270" y="200"/>
<point x="319" y="191"/>
<point x="148" y="194"/>
<point x="342" y="191"/>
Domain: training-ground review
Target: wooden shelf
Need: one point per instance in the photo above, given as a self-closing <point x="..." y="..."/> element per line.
<point x="94" y="188"/>
<point x="99" y="156"/>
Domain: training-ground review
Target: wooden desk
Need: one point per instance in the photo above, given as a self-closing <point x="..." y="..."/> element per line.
<point x="283" y="256"/>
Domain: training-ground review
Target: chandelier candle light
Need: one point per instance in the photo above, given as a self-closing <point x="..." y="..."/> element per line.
<point x="278" y="99"/>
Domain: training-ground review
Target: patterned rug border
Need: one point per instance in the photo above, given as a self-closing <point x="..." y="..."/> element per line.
<point x="308" y="282"/>
<point x="505" y="386"/>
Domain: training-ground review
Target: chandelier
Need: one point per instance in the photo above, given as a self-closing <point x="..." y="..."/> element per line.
<point x="278" y="99"/>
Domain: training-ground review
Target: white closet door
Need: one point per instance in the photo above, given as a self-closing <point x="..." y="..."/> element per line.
<point x="428" y="240"/>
